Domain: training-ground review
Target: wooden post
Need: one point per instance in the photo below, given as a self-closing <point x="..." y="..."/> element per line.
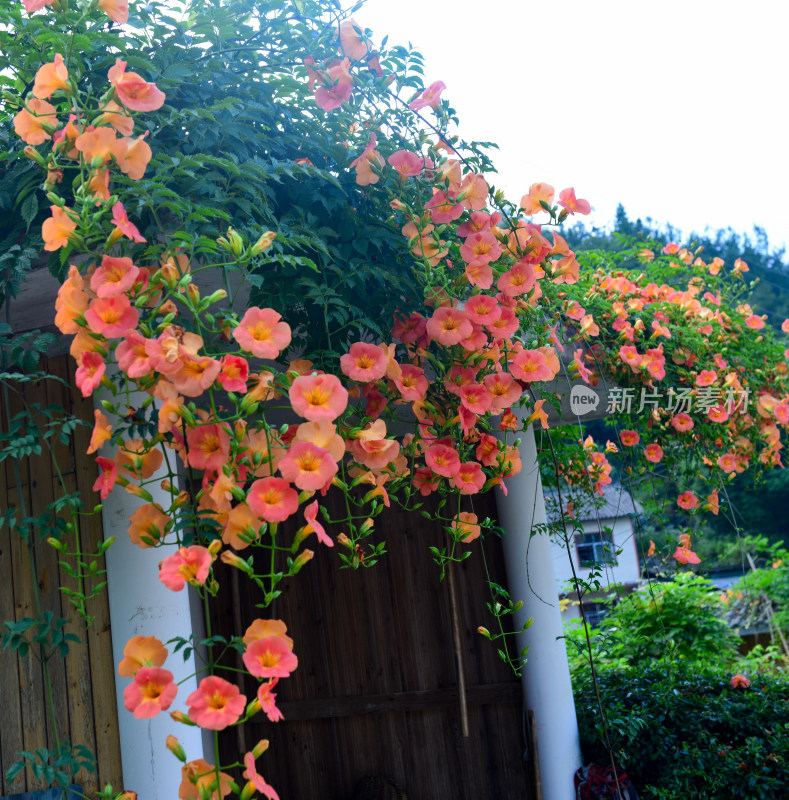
<point x="461" y="672"/>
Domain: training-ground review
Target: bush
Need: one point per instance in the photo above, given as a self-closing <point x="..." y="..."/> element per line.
<point x="684" y="734"/>
<point x="678" y="619"/>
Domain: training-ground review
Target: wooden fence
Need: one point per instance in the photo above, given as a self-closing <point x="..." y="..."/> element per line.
<point x="83" y="683"/>
<point x="377" y="691"/>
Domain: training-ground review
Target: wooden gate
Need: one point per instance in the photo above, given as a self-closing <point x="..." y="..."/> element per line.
<point x="83" y="683"/>
<point x="376" y="691"/>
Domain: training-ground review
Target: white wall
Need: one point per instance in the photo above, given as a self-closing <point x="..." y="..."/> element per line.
<point x="627" y="569"/>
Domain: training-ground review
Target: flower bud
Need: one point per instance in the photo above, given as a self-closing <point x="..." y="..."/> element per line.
<point x="215" y="547"/>
<point x="252" y="708"/>
<point x="179" y="716"/>
<point x="232" y="560"/>
<point x="263" y="243"/>
<point x="34" y="155"/>
<point x="259" y="749"/>
<point x="301" y="559"/>
<point x="174" y="746"/>
<point x="182" y="500"/>
<point x="52" y="542"/>
<point x="139" y="491"/>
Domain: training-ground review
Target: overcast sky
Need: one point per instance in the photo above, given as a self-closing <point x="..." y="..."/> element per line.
<point x="677" y="110"/>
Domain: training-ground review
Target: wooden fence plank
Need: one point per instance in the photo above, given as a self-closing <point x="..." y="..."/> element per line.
<point x="11" y="737"/>
<point x="102" y="666"/>
<point x="77" y="662"/>
<point x="31" y="685"/>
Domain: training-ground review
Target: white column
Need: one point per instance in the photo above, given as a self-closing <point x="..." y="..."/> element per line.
<point x="546" y="676"/>
<point x="141" y="605"/>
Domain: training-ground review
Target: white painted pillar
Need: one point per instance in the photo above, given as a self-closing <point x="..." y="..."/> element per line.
<point x="546" y="676"/>
<point x="141" y="605"/>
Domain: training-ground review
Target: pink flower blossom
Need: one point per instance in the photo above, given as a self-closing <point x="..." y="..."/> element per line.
<point x="262" y="333"/>
<point x="152" y="691"/>
<point x="215" y="704"/>
<point x="270" y="657"/>
<point x="469" y="478"/>
<point x="569" y="202"/>
<point x="273" y="499"/>
<point x="318" y="397"/>
<point x="120" y="219"/>
<point x="687" y="500"/>
<point x="188" y="565"/>
<point x="430" y="97"/>
<point x="308" y="466"/>
<point x="256" y="779"/>
<point x="364" y="362"/>
<point x="311" y="516"/>
<point x="89" y="372"/>
<point x="442" y="459"/>
<point x="684" y="555"/>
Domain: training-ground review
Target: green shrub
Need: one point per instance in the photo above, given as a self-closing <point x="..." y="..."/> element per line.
<point x="680" y="619"/>
<point x="686" y="733"/>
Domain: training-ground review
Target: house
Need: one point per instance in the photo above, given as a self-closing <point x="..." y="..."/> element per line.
<point x="600" y="542"/>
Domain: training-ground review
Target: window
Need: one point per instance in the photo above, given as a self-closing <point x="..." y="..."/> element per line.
<point x="594" y="612"/>
<point x="595" y="548"/>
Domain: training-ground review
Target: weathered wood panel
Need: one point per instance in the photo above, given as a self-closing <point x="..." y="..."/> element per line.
<point x="376" y="691"/>
<point x="83" y="695"/>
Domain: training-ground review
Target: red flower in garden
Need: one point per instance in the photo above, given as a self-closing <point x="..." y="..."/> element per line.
<point x="469" y="478"/>
<point x="152" y="691"/>
<point x="268" y="700"/>
<point x="687" y="500"/>
<point x="740" y="681"/>
<point x="682" y="422"/>
<point x="364" y="362"/>
<point x="683" y="555"/>
<point x="270" y="657"/>
<point x="141" y="651"/>
<point x="272" y="499"/>
<point x="89" y="372"/>
<point x="208" y="446"/>
<point x="105" y="483"/>
<point x="569" y="202"/>
<point x="430" y="97"/>
<point x="58" y="230"/>
<point x="215" y="704"/>
<point x="134" y="92"/>
<point x="120" y="219"/>
<point x="318" y="397"/>
<point x="308" y="466"/>
<point x="187" y="565"/>
<point x="262" y="333"/>
<point x="256" y="779"/>
<point x="442" y="459"/>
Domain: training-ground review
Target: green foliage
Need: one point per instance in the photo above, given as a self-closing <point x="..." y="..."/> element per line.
<point x="685" y="732"/>
<point x="770" y="581"/>
<point x="679" y="620"/>
<point x="55" y="767"/>
<point x="240" y="139"/>
<point x="49" y="632"/>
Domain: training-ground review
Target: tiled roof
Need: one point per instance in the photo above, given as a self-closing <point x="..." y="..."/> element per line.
<point x="614" y="503"/>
